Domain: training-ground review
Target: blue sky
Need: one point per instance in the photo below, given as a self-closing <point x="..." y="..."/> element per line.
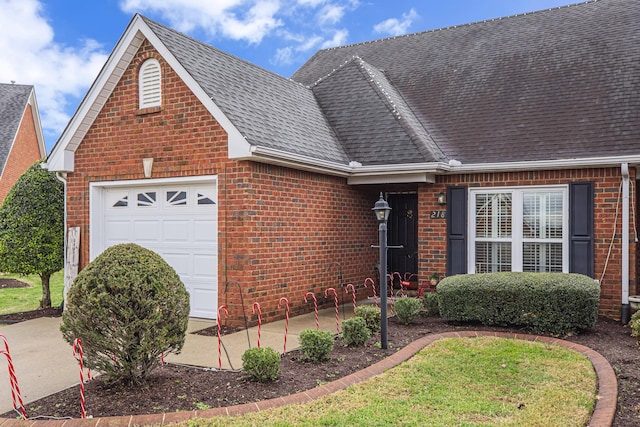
<point x="59" y="46"/>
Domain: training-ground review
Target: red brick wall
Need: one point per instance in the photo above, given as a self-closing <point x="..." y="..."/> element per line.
<point x="432" y="232"/>
<point x="280" y="230"/>
<point x="24" y="152"/>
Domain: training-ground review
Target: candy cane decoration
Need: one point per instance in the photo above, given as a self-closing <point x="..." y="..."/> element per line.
<point x="353" y="294"/>
<point x="373" y="286"/>
<point x="226" y="316"/>
<point x="13" y="380"/>
<point x="77" y="349"/>
<point x="315" y="307"/>
<point x="335" y="300"/>
<point x="253" y="311"/>
<point x="391" y="301"/>
<point x="286" y="323"/>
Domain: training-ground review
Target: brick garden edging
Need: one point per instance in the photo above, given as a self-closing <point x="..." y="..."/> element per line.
<point x="602" y="416"/>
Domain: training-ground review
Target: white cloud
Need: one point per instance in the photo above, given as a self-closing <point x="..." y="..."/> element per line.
<point x="339" y="38"/>
<point x="330" y="14"/>
<point x="396" y="27"/>
<point x="30" y="55"/>
<point x="229" y="18"/>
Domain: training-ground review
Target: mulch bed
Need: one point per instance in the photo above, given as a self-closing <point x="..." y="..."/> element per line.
<point x="12" y="283"/>
<point x="171" y="388"/>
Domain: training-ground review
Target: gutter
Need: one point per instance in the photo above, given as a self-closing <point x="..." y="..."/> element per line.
<point x="625" y="311"/>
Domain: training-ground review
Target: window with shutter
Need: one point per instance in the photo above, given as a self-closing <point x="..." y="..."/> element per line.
<point x="150" y="84"/>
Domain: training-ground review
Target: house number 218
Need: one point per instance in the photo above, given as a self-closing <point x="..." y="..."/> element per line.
<point x="438" y="214"/>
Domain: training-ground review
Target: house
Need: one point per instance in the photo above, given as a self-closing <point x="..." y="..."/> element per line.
<point x="21" y="140"/>
<point x="508" y="144"/>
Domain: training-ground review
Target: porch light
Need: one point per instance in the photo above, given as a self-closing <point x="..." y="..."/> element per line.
<point x="382" y="211"/>
<point x="442" y="199"/>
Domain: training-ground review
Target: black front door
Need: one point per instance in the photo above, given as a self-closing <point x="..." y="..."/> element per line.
<point x="403" y="230"/>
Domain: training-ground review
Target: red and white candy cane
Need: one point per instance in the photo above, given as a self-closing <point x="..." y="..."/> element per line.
<point x="353" y="295"/>
<point x="315" y="307"/>
<point x="226" y="316"/>
<point x="286" y="322"/>
<point x="16" y="396"/>
<point x="370" y="281"/>
<point x="335" y="300"/>
<point x="77" y="353"/>
<point x="256" y="308"/>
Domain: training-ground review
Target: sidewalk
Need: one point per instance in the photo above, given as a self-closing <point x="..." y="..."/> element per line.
<point x="44" y="362"/>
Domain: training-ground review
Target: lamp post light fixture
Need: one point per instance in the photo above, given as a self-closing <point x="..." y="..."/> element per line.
<point x="382" y="209"/>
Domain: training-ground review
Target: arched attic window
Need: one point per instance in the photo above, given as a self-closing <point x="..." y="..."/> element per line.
<point x="150" y="84"/>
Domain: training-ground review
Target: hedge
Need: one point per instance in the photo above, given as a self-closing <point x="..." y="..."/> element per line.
<point x="548" y="303"/>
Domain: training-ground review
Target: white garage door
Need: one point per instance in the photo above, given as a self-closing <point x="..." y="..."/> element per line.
<point x="179" y="222"/>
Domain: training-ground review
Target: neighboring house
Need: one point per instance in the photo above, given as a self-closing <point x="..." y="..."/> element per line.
<point x="527" y="128"/>
<point x="21" y="140"/>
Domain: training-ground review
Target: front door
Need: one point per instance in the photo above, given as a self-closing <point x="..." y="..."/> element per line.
<point x="403" y="230"/>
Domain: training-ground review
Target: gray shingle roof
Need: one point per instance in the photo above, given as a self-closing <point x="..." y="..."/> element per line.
<point x="555" y="84"/>
<point x="268" y="109"/>
<point x="13" y="101"/>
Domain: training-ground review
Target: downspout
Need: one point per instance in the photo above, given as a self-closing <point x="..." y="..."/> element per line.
<point x="625" y="310"/>
<point x="62" y="178"/>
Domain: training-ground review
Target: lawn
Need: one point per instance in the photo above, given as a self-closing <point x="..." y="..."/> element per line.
<point x="484" y="381"/>
<point x="16" y="300"/>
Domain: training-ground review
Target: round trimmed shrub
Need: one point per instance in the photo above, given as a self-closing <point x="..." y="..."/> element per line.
<point x="316" y="345"/>
<point x="371" y="315"/>
<point x="262" y="363"/>
<point x="430" y="302"/>
<point x="407" y="309"/>
<point x="128" y="307"/>
<point x="355" y="331"/>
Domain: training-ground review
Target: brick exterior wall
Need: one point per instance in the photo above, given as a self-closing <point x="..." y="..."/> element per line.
<point x="432" y="232"/>
<point x="24" y="152"/>
<point x="284" y="232"/>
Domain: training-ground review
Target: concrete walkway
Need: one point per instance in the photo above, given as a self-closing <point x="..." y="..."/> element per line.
<point x="44" y="362"/>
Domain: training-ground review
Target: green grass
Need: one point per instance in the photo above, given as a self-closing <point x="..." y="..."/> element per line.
<point x="483" y="381"/>
<point x="16" y="300"/>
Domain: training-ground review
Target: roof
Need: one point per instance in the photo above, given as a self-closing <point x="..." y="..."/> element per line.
<point x="13" y="102"/>
<point x="555" y="88"/>
<point x="556" y="84"/>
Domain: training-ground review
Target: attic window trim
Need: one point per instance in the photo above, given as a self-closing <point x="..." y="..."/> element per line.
<point x="150" y="86"/>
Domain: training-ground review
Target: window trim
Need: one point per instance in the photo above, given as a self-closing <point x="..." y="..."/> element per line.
<point x="517" y="237"/>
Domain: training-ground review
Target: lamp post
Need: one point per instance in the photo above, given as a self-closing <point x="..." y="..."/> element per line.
<point x="382" y="210"/>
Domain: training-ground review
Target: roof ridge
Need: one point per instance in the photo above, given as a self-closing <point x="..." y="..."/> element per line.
<point x="434" y="30"/>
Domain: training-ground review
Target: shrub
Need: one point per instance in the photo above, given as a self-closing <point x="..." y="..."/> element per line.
<point x="316" y="345"/>
<point x="355" y="331"/>
<point x="371" y="316"/>
<point x="263" y="363"/>
<point x="634" y="324"/>
<point x="430" y="302"/>
<point x="548" y="303"/>
<point x="407" y="309"/>
<point x="128" y="306"/>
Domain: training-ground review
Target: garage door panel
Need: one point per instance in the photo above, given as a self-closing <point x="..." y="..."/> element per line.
<point x="146" y="231"/>
<point x="205" y="266"/>
<point x="175" y="230"/>
<point x="179" y="262"/>
<point x="205" y="231"/>
<point x="179" y="222"/>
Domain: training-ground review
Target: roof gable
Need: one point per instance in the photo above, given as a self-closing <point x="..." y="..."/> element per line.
<point x="14" y="99"/>
<point x="373" y="122"/>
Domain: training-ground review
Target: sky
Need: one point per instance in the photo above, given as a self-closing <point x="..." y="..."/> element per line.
<point x="59" y="46"/>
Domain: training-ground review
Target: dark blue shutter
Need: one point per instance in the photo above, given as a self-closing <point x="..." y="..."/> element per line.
<point x="456" y="230"/>
<point x="581" y="228"/>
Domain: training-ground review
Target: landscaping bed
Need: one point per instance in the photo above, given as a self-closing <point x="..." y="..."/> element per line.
<point x="172" y="388"/>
